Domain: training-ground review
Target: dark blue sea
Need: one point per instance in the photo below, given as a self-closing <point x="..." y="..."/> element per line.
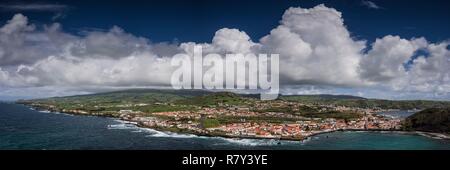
<point x="24" y="128"/>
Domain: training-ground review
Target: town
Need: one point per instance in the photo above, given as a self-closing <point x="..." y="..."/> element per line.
<point x="246" y="127"/>
<point x="237" y="117"/>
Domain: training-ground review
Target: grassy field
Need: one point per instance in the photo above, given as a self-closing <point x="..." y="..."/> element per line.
<point x="366" y="103"/>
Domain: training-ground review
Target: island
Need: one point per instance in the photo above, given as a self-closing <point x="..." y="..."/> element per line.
<point x="231" y="115"/>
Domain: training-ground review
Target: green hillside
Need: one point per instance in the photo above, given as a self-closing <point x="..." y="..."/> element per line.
<point x="129" y="96"/>
<point x="199" y="98"/>
<point x="215" y="99"/>
<point x="126" y="99"/>
<point x="352" y="101"/>
<point x="429" y="120"/>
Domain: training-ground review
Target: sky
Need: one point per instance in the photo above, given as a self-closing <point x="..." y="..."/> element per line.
<point x="376" y="49"/>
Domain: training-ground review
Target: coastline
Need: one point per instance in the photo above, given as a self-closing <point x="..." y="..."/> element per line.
<point x="433" y="135"/>
<point x="212" y="135"/>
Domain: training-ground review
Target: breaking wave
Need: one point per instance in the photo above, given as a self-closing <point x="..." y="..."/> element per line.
<point x="151" y="132"/>
<point x="48" y="111"/>
<point x="218" y="140"/>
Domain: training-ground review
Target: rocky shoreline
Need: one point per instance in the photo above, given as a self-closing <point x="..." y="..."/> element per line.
<point x="139" y="124"/>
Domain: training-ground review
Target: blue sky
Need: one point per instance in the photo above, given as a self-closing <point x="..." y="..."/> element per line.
<point x="198" y="20"/>
<point x="408" y="60"/>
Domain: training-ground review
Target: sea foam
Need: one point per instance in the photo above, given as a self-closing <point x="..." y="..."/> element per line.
<point x="127" y="125"/>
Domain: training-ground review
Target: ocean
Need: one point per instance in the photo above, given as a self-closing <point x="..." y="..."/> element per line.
<point x="25" y="129"/>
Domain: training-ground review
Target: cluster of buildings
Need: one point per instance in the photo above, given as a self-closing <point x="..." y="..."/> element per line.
<point x="241" y="112"/>
<point x="177" y="115"/>
<point x="262" y="130"/>
<point x="191" y="121"/>
<point x="302" y="129"/>
<point x="297" y="127"/>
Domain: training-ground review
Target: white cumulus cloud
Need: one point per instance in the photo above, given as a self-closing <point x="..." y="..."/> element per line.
<point x="315" y="48"/>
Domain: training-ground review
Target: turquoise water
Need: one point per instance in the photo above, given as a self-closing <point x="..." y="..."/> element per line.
<point x="398" y="113"/>
<point x="23" y="128"/>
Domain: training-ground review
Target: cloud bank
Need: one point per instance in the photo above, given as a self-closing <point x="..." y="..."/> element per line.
<point x="316" y="50"/>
